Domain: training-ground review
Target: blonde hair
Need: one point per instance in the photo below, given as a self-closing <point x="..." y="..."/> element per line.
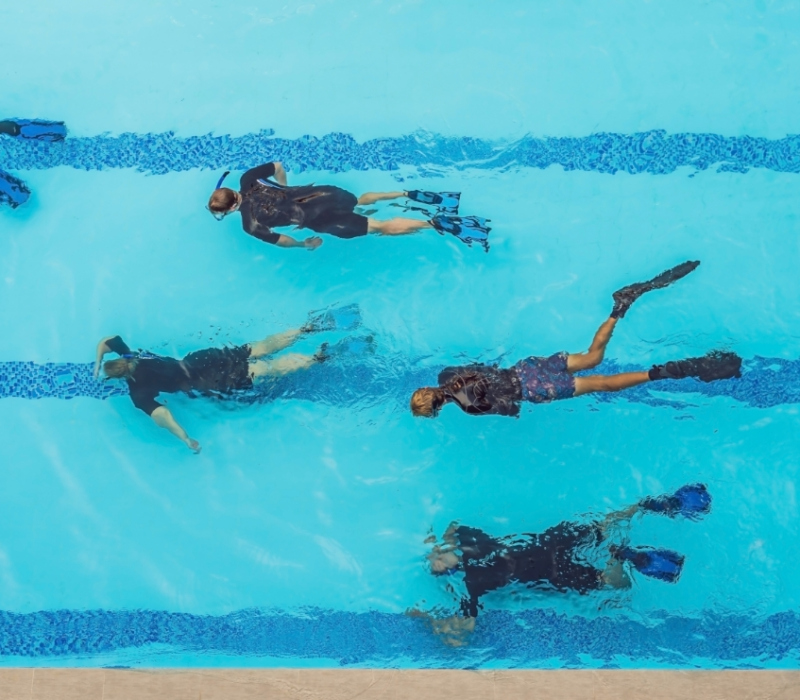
<point x="423" y="400"/>
<point x="221" y="200"/>
<point x="121" y="368"/>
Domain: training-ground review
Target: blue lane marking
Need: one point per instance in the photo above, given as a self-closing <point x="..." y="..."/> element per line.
<point x="354" y="381"/>
<point x="538" y="637"/>
<point x="654" y="152"/>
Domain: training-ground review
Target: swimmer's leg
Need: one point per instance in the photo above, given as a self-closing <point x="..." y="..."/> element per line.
<point x="606" y="383"/>
<point x="274" y="343"/>
<point x="286" y="364"/>
<point x="594" y="355"/>
<point x="399" y="226"/>
<point x="372" y="197"/>
<point x="614" y="574"/>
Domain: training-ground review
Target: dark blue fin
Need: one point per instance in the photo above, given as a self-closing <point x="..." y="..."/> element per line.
<point x="445" y="202"/>
<point x="340" y="318"/>
<point x="692" y="501"/>
<point x="40" y="130"/>
<point x="468" y="229"/>
<point x="12" y="190"/>
<point x="663" y="564"/>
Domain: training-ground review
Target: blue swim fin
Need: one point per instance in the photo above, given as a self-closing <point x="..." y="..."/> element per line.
<point x="338" y="318"/>
<point x="445" y="202"/>
<point x="34" y="129"/>
<point x="692" y="501"/>
<point x="353" y="345"/>
<point x="12" y="190"/>
<point x="468" y="229"/>
<point x="663" y="564"/>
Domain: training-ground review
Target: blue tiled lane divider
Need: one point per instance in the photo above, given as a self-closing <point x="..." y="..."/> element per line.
<point x="654" y="152"/>
<point x="537" y="637"/>
<point x="765" y="382"/>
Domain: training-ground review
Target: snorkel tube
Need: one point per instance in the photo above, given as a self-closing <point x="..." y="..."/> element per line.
<point x="222" y="179"/>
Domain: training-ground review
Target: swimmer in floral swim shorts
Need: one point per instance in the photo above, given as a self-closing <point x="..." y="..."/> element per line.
<point x="487" y="389"/>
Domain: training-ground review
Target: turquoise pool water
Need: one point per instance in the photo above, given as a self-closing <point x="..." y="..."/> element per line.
<point x="604" y="144"/>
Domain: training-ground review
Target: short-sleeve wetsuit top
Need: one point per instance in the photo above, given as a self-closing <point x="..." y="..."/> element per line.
<point x="153" y="375"/>
<point x="482" y="389"/>
<point x="321" y="208"/>
<point x="552" y="560"/>
<point x="212" y="372"/>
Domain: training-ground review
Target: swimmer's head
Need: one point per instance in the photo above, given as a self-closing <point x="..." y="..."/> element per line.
<point x="121" y="368"/>
<point x="222" y="202"/>
<point x="427" y="402"/>
<point x="443" y="562"/>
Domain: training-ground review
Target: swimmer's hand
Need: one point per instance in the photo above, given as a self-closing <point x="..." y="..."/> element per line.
<point x="312" y="243"/>
<point x="193" y="445"/>
<point x="453" y="631"/>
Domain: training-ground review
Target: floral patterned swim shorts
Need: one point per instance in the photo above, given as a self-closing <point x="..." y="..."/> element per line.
<point x="545" y="379"/>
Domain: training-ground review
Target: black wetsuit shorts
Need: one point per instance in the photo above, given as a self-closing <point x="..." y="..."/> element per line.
<point x="219" y="370"/>
<point x="332" y="213"/>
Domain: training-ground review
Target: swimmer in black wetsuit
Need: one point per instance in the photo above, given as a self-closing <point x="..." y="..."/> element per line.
<point x="213" y="372"/>
<point x="486" y="389"/>
<point x="562" y="559"/>
<point x="265" y="205"/>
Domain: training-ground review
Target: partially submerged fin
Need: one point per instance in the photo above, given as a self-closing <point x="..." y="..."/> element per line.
<point x="623" y="298"/>
<point x="692" y="501"/>
<point x="13" y="191"/>
<point x="468" y="229"/>
<point x="662" y="564"/>
<point x="715" y="365"/>
<point x="445" y="202"/>
<point x="353" y="345"/>
<point x="337" y="318"/>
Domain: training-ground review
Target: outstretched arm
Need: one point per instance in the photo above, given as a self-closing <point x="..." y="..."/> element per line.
<point x="102" y="351"/>
<point x="163" y="419"/>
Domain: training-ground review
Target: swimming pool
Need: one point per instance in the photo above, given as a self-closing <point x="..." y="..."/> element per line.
<point x="605" y="145"/>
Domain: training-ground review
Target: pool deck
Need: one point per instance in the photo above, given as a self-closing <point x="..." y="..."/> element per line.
<point x="335" y="684"/>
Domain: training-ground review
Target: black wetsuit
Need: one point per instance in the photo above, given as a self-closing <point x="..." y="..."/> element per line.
<point x="211" y="372"/>
<point x="551" y="560"/>
<point x="481" y="389"/>
<point x="323" y="209"/>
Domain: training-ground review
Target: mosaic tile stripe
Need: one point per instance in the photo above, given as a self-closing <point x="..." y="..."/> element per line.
<point x="376" y="380"/>
<point x="531" y="638"/>
<point x="654" y="152"/>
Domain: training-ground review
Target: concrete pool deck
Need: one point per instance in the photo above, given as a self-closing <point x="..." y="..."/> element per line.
<point x="337" y="684"/>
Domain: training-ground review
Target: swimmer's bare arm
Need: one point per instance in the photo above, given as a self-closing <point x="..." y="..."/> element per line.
<point x="163" y="419"/>
<point x="310" y="243"/>
<point x="267" y="235"/>
<point x="102" y="351"/>
<point x="280" y="173"/>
